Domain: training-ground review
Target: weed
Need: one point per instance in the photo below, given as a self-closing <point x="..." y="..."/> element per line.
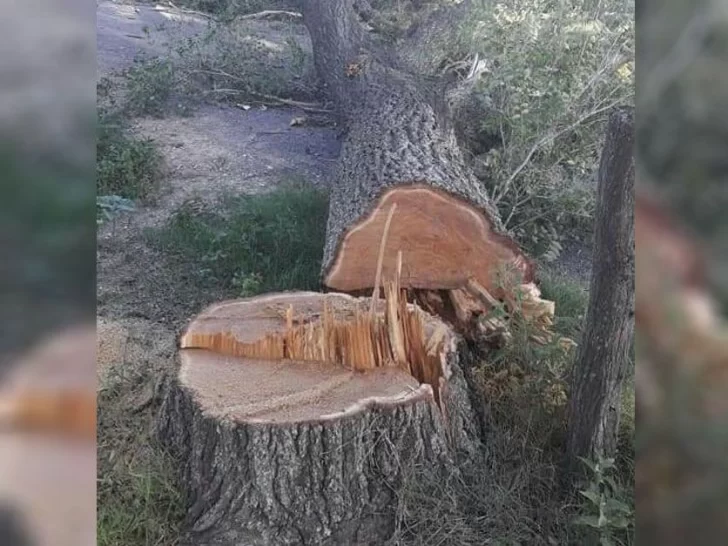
<point x="571" y="302"/>
<point x="605" y="511"/>
<point x="126" y="166"/>
<point x="253" y="244"/>
<point x="514" y="495"/>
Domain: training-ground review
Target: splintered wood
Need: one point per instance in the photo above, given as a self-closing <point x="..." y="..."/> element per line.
<point x="524" y="300"/>
<point x="359" y="342"/>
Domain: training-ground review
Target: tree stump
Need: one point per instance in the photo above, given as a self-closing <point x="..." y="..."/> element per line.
<point x="280" y="446"/>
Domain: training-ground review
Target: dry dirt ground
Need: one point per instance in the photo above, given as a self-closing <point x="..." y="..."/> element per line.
<point x="216" y="151"/>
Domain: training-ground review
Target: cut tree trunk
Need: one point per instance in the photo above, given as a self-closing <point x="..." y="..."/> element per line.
<point x="400" y="149"/>
<point x="602" y="360"/>
<point x="296" y="416"/>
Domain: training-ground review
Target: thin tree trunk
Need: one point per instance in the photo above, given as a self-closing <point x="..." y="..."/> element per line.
<point x="602" y="359"/>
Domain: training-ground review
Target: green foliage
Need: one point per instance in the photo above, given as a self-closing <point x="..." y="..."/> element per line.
<point x="126" y="166"/>
<point x="253" y="244"/>
<point x="607" y="510"/>
<point x="571" y="303"/>
<point x="551" y="72"/>
<point x="524" y="383"/>
<point x="138" y="501"/>
<point x="153" y="87"/>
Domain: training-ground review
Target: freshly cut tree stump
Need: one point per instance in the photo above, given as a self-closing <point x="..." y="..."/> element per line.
<point x="400" y="148"/>
<point x="280" y="445"/>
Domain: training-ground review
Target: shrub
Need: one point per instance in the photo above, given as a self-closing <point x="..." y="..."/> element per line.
<point x="550" y="71"/>
<point x="253" y="244"/>
<point x="153" y="87"/>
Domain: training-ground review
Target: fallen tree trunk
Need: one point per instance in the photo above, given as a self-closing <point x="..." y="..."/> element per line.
<point x="297" y="415"/>
<point x="400" y="149"/>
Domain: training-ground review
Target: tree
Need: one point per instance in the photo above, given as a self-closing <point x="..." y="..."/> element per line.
<point x="400" y="149"/>
<point x="603" y="355"/>
<point x="295" y="417"/>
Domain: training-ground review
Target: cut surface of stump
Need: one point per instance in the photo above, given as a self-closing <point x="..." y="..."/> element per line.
<point x="444" y="240"/>
<point x="300" y="449"/>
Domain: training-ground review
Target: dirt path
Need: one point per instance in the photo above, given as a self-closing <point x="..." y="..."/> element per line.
<point x="217" y="151"/>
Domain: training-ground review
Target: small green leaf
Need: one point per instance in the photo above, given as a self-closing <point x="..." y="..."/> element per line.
<point x="589" y="463"/>
<point x="593" y="496"/>
<point x="590" y="521"/>
<point x="615" y="505"/>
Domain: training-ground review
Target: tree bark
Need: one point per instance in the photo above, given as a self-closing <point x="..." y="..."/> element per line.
<point x="298" y="453"/>
<point x="601" y="362"/>
<point x="399" y="148"/>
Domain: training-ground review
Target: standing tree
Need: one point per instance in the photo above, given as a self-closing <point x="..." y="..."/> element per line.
<point x="601" y="362"/>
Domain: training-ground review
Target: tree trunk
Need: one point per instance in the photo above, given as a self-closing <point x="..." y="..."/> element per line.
<point x="399" y="149"/>
<point x="295" y="449"/>
<point x="602" y="358"/>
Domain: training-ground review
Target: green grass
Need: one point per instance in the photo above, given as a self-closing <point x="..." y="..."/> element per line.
<point x="571" y="302"/>
<point x="252" y="244"/>
<point x="126" y="165"/>
<point x="138" y="502"/>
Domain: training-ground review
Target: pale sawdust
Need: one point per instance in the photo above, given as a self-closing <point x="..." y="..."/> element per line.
<point x="283" y="391"/>
<point x="131" y="343"/>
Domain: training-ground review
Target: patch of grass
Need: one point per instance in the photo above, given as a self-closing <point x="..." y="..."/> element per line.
<point x="138" y="502"/>
<point x="252" y="244"/>
<point x="571" y="301"/>
<point x="126" y="166"/>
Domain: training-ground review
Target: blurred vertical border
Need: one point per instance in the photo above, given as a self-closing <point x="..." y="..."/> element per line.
<point x="47" y="259"/>
<point x="47" y="197"/>
<point x="682" y="272"/>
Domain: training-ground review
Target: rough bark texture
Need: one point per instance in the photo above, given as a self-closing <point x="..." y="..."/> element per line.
<point x="603" y="355"/>
<point x="330" y="481"/>
<point x="397" y="127"/>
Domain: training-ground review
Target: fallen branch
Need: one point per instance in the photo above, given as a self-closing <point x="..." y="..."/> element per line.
<point x="271" y="15"/>
<point x="184" y="10"/>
